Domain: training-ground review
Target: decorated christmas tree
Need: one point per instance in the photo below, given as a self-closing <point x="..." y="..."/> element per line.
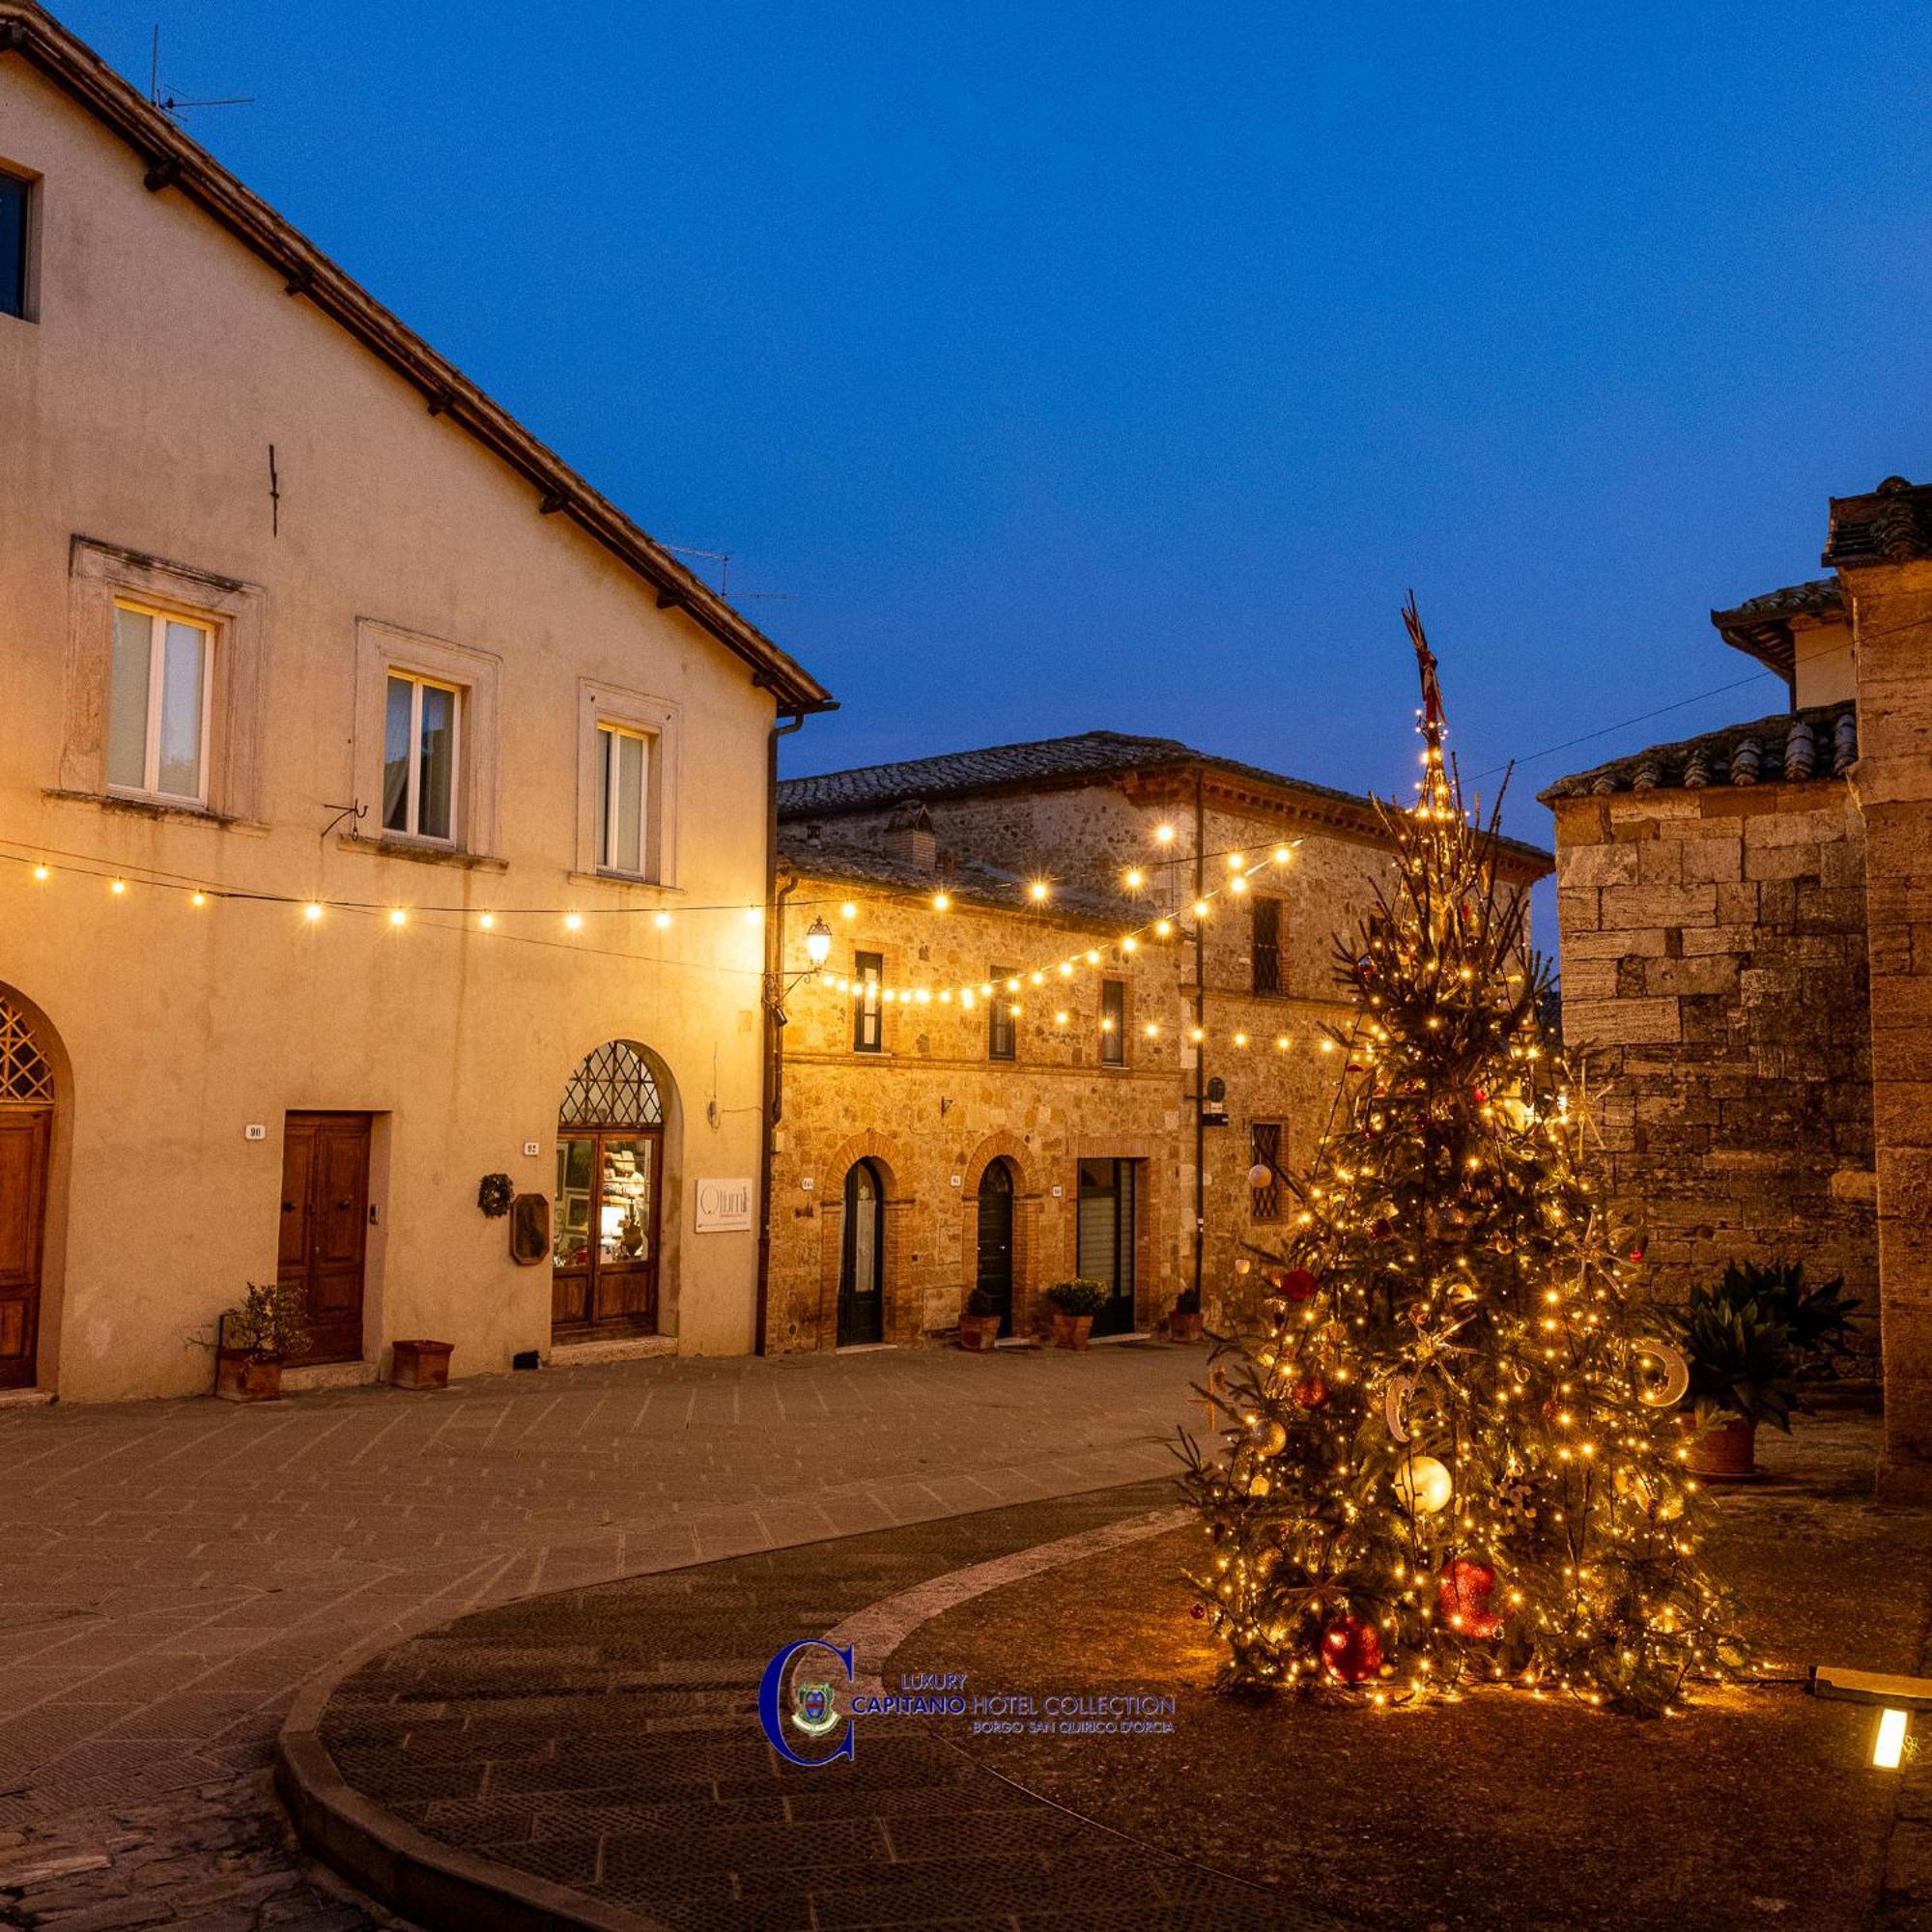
<point x="1451" y="1455"/>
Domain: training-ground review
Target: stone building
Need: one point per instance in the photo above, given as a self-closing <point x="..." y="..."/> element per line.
<point x="1746" y="932"/>
<point x="933" y="1140"/>
<point x="363" y="777"/>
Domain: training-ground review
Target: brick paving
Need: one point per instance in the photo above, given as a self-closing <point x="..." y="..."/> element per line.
<point x="605" y="1740"/>
<point x="170" y="1572"/>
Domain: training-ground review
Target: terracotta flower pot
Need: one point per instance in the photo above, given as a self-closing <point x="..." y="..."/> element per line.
<point x="1071" y="1331"/>
<point x="980" y="1333"/>
<point x="1727" y="1453"/>
<point x="240" y="1374"/>
<point x="421" y="1365"/>
<point x="1184" y="1328"/>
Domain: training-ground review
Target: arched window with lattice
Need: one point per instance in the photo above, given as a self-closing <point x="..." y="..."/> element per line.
<point x="26" y="1077"/>
<point x="606" y="1227"/>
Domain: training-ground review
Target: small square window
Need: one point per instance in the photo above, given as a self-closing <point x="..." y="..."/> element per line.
<point x="159" y="688"/>
<point x="419" y="747"/>
<point x="15" y="197"/>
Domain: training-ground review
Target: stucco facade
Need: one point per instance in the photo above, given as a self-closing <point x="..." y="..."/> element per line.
<point x="192" y="431"/>
<point x="932" y="1108"/>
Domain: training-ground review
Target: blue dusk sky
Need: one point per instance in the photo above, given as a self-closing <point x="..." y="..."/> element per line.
<point x="1117" y="366"/>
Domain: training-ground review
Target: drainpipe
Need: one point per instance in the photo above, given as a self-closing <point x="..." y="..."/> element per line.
<point x="1200" y="1021"/>
<point x="771" y="1107"/>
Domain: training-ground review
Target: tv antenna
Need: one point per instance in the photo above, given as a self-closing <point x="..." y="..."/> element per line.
<point x="170" y="103"/>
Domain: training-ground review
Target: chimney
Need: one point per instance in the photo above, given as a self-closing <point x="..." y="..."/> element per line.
<point x="910" y="839"/>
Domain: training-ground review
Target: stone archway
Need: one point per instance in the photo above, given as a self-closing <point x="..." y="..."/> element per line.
<point x="886" y="1164"/>
<point x="34" y="1132"/>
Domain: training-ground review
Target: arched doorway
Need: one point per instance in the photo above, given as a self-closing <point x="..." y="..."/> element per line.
<point x="606" y="1241"/>
<point x="994" y="1276"/>
<point x="26" y="1142"/>
<point x="861" y="1267"/>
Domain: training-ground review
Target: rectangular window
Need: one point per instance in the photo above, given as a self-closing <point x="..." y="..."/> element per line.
<point x="1264" y="942"/>
<point x="1113" y="1022"/>
<point x="14" y="197"/>
<point x="1265" y="1150"/>
<point x="1104" y="1224"/>
<point x="157" y="696"/>
<point x="1002" y="1035"/>
<point x="419" y="727"/>
<point x="623" y="769"/>
<point x="868" y="970"/>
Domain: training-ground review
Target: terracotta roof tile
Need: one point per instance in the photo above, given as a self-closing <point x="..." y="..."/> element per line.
<point x="1790" y="748"/>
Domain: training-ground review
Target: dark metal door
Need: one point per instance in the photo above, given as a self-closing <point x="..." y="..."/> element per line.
<point x="862" y="1271"/>
<point x="996" y="1240"/>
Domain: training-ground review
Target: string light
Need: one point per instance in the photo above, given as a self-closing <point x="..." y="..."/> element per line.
<point x="117" y="886"/>
<point x="486" y="920"/>
<point x="398" y="917"/>
<point x="43" y="875"/>
<point x="310" y="912"/>
<point x="941" y="902"/>
<point x="573" y="922"/>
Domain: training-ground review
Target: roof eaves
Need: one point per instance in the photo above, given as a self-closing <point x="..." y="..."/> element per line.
<point x="175" y="161"/>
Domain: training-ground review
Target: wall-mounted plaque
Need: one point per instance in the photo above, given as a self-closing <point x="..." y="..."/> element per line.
<point x="724" y="1205"/>
<point x="530" y="1229"/>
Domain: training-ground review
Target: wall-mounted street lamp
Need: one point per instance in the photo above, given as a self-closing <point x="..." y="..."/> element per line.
<point x="818" y="943"/>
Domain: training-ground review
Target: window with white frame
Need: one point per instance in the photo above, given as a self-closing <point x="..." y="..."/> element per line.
<point x="623" y="800"/>
<point x="420" y="720"/>
<point x="160" y="686"/>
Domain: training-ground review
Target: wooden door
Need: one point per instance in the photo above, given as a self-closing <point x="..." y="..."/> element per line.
<point x="862" y="1271"/>
<point x="24" y="1136"/>
<point x="326" y="1227"/>
<point x="995" y="1276"/>
<point x="605" y="1233"/>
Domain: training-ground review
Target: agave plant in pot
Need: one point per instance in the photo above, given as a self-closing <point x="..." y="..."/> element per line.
<point x="1743" y="1371"/>
<point x="1185" y="1323"/>
<point x="980" y="1322"/>
<point x="1075" y="1304"/>
<point x="253" y="1340"/>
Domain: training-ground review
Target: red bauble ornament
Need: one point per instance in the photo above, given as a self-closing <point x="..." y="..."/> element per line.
<point x="1311" y="1392"/>
<point x="1198" y="1611"/>
<point x="1462" y="1594"/>
<point x="1351" y="1650"/>
<point x="1297" y="1284"/>
<point x="1481" y="1096"/>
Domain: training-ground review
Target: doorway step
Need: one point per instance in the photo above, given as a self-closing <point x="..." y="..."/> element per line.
<point x="327" y="1376"/>
<point x="619" y="1348"/>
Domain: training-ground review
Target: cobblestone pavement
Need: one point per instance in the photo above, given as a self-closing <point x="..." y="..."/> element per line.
<point x="170" y="1571"/>
<point x="605" y="1740"/>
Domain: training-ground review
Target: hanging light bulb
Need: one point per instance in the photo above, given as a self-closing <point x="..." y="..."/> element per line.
<point x="398" y="917"/>
<point x="819" y="941"/>
<point x="43" y="875"/>
<point x="573" y="922"/>
<point x="1163" y="834"/>
<point x="849" y="910"/>
<point x="1235" y="862"/>
<point x="197" y="899"/>
<point x="1283" y="854"/>
<point x="310" y="912"/>
<point x="662" y="921"/>
<point x="941" y="901"/>
<point x="1135" y="878"/>
<point x="1038" y="891"/>
<point x="486" y="920"/>
<point x="118" y="886"/>
<point x="1200" y="908"/>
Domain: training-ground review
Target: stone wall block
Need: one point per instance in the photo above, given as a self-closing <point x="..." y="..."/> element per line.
<point x="1717" y="973"/>
<point x="1712" y="861"/>
<point x="1613" y="1022"/>
<point x="1582" y="867"/>
<point x="1659" y="862"/>
<point x="1779" y="862"/>
<point x="1736" y="905"/>
<point x="1585" y="943"/>
<point x="1627" y="907"/>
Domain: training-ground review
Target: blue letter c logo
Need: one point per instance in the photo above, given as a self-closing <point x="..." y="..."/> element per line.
<point x="770" y="1718"/>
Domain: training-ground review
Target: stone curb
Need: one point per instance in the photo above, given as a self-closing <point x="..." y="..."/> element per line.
<point x="423" y="1879"/>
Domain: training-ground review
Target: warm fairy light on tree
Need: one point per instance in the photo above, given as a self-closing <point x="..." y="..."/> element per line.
<point x="1446" y="1460"/>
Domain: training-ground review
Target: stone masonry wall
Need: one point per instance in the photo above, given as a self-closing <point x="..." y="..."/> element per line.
<point x="932" y="1108"/>
<point x="1714" y="955"/>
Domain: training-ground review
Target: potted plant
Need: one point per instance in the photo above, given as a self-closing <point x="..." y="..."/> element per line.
<point x="254" y="1339"/>
<point x="1818" y="1318"/>
<point x="980" y="1322"/>
<point x="1075" y="1304"/>
<point x="1743" y="1371"/>
<point x="1185" y="1323"/>
<point x="421" y="1365"/>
